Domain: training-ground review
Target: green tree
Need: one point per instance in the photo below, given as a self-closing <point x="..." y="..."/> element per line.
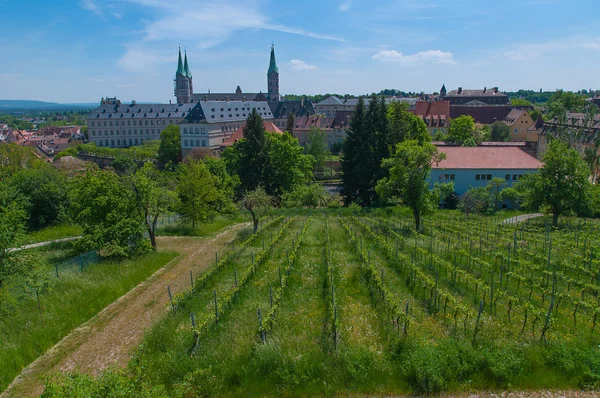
<point x="562" y="184"/>
<point x="495" y="186"/>
<point x="169" y="151"/>
<point x="513" y="195"/>
<point x="226" y="183"/>
<point x="197" y="192"/>
<point x="317" y="147"/>
<point x="44" y="193"/>
<point x="355" y="145"/>
<point x="251" y="153"/>
<point x="274" y="161"/>
<point x="409" y="169"/>
<point x="258" y="203"/>
<point x="461" y="129"/>
<point x="12" y="234"/>
<point x="289" y="126"/>
<point x="477" y="201"/>
<point x="404" y="126"/>
<point x="151" y="198"/>
<point x="520" y="102"/>
<point x="500" y="132"/>
<point x="287" y="167"/>
<point x="103" y="204"/>
<point x="311" y="195"/>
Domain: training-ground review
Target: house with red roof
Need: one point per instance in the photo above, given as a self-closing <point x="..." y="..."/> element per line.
<point x="477" y="166"/>
<point x="239" y="133"/>
<point x="435" y="114"/>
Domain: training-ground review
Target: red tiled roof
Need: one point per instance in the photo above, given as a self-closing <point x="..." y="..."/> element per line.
<point x="434" y="114"/>
<point x="239" y="133"/>
<point x="486" y="158"/>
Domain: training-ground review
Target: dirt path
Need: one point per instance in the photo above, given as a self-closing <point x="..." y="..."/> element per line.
<point x="109" y="338"/>
<point x="40" y="244"/>
<point x="524" y="217"/>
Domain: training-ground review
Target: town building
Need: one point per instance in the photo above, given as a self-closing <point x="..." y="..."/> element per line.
<point x="519" y="122"/>
<point x="282" y="109"/>
<point x="332" y="104"/>
<point x="333" y="127"/>
<point x="575" y="125"/>
<point x="477" y="166"/>
<point x="474" y="97"/>
<point x="435" y="115"/>
<point x="114" y="124"/>
<point x="270" y="127"/>
<point x="210" y="123"/>
<point x="184" y="89"/>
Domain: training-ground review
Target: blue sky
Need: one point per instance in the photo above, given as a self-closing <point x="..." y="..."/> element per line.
<point x="82" y="50"/>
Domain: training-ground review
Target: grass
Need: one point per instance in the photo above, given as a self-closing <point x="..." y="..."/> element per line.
<point x="53" y="232"/>
<point x="203" y="229"/>
<point x="27" y="332"/>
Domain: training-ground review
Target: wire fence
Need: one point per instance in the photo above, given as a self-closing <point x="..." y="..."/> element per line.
<point x="78" y="263"/>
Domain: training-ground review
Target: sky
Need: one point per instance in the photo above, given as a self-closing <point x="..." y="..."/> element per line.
<point x="74" y="51"/>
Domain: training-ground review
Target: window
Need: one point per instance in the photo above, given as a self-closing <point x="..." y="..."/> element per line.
<point x="516" y="131"/>
<point x="136" y="141"/>
<point x="129" y="122"/>
<point x="477" y="177"/>
<point x="203" y="142"/>
<point x="515" y="177"/>
<point x="110" y="123"/>
<point x="185" y="130"/>
<point x="434" y="131"/>
<point x="185" y="143"/>
<point x="197" y="142"/>
<point x="104" y="124"/>
<point x="118" y="142"/>
<point x="507" y="177"/>
<point x="489" y="177"/>
<point x="92" y="124"/>
<point x="197" y="130"/>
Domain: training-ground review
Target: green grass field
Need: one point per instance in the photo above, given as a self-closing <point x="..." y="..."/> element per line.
<point x="54" y="232"/>
<point x="26" y="331"/>
<point x="363" y="305"/>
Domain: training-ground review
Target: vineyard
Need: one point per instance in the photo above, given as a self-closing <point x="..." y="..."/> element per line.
<point x="326" y="304"/>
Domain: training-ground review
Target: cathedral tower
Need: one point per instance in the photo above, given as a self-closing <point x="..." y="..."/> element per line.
<point x="183" y="81"/>
<point x="273" y="78"/>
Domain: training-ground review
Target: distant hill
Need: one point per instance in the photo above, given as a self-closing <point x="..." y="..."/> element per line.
<point x="32" y="106"/>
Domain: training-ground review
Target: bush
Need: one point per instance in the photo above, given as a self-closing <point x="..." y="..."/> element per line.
<point x="477" y="201"/>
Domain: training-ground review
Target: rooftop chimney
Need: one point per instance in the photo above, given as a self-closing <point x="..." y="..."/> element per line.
<point x="484" y="90"/>
<point x="495" y="90"/>
<point x="460" y="90"/>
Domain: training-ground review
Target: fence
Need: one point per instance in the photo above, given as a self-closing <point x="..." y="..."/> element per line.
<point x="78" y="263"/>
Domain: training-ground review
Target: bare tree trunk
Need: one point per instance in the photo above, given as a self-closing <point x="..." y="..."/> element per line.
<point x="417" y="215"/>
<point x="555" y="219"/>
<point x="254" y="221"/>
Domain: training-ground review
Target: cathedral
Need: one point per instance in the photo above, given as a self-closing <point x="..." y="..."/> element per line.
<point x="184" y="89"/>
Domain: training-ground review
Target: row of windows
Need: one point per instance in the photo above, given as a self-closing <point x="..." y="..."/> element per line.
<point x="488" y="177"/>
<point x="112" y="143"/>
<point x="191" y="143"/>
<point x="449" y="177"/>
<point x="192" y="130"/>
<point x="117" y="132"/>
<point x="129" y="123"/>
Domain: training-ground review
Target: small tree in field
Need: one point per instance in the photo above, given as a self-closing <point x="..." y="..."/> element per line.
<point x="562" y="184"/>
<point x="258" y="203"/>
<point x="408" y="177"/>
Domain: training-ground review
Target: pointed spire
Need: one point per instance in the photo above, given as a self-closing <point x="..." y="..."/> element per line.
<point x="180" y="70"/>
<point x="186" y="69"/>
<point x="272" y="63"/>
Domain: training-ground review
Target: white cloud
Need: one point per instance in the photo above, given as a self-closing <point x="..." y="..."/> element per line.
<point x="594" y="45"/>
<point x="202" y="24"/>
<point x="297" y="64"/>
<point x="424" y="57"/>
<point x="345" y="5"/>
<point x="10" y="75"/>
<point x="91" y="6"/>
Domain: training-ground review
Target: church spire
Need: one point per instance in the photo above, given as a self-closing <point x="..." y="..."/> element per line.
<point x="273" y="64"/>
<point x="186" y="69"/>
<point x="180" y="70"/>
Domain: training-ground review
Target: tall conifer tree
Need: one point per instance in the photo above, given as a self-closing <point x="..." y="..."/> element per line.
<point x="353" y="149"/>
